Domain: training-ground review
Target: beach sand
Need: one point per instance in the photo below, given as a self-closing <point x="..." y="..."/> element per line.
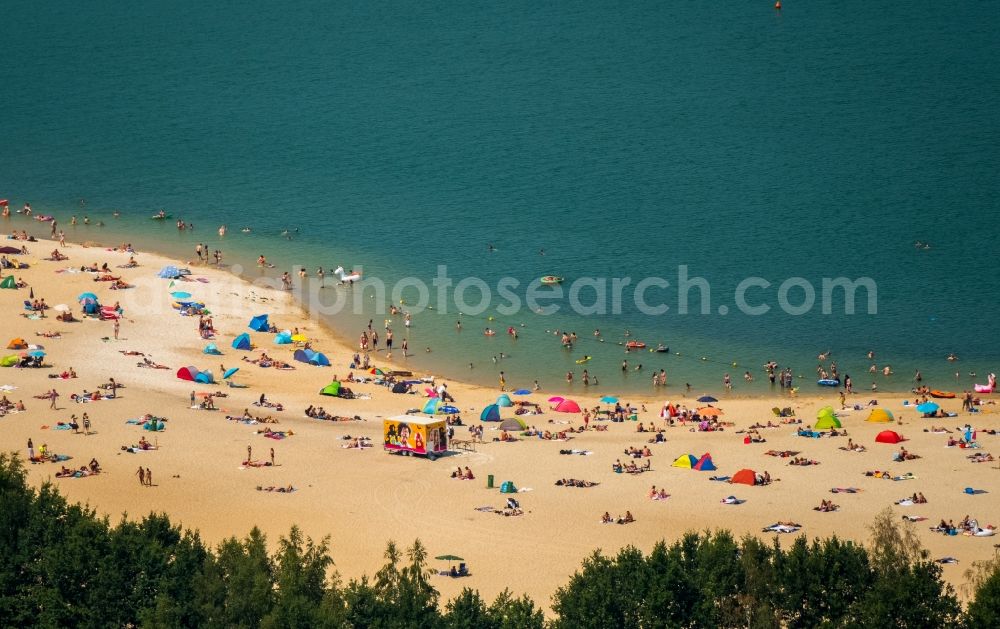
<point x="362" y="498"/>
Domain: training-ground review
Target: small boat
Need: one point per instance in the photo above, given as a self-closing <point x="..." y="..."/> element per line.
<point x="662" y="349"/>
<point x="551" y="279"/>
<point x="635" y="345"/>
<point x="942" y="394"/>
<point x="828" y="382"/>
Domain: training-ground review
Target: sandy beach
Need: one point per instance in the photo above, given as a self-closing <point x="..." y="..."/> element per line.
<point x="363" y="497"/>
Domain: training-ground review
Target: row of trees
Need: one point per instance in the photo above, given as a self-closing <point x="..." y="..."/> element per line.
<point x="60" y="565"/>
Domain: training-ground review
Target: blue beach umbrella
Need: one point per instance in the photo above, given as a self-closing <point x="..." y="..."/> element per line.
<point x="609" y="399"/>
<point x="707" y="399"/>
<point x="230" y="372"/>
<point x="36" y="353"/>
<point x="87" y="296"/>
<point x="522" y="392"/>
<point x="928" y="407"/>
<point x="180" y="295"/>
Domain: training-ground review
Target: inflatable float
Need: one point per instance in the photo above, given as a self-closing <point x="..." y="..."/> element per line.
<point x="983" y="388"/>
<point x="828" y="382"/>
<point x="635" y="345"/>
<point x="585" y="359"/>
<point x="160" y="217"/>
<point x="345" y="278"/>
<point x="551" y="279"/>
<point x="942" y="394"/>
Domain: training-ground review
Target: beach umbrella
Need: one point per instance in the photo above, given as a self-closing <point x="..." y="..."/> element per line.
<point x="36" y="353"/>
<point x="61" y="308"/>
<point x="707" y="399"/>
<point x="710" y="411"/>
<point x="522" y="392"/>
<point x="300" y="338"/>
<point x="928" y="407"/>
<point x="556" y="399"/>
<point x="449" y="558"/>
<point x="375" y="371"/>
<point x="430" y="392"/>
<point x="87" y="296"/>
<point x="180" y="295"/>
<point x="229" y="373"/>
<point x="609" y="399"/>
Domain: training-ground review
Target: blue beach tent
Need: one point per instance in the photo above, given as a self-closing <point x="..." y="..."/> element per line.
<point x="490" y="414"/>
<point x="259" y="323"/>
<point x="242" y="342"/>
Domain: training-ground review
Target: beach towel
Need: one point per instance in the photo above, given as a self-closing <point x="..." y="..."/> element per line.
<point x="973" y="492"/>
<point x="845" y="490"/>
<point x="782" y="528"/>
<point x="721" y="479"/>
<point x="914" y="518"/>
<point x="732" y="500"/>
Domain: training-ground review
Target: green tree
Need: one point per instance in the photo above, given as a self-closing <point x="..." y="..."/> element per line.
<point x="984" y="610"/>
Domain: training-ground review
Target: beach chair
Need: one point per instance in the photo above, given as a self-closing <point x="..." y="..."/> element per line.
<point x="463" y="570"/>
<point x="27" y="305"/>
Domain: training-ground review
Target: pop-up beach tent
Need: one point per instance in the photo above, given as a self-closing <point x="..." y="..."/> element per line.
<point x="8" y="282"/>
<point x="320" y="360"/>
<point x="242" y="342"/>
<point x="490" y="414"/>
<point x="686" y="461"/>
<point x="512" y="423"/>
<point x="744" y="477"/>
<point x="431" y="407"/>
<point x="283" y="338"/>
<point x="332" y="389"/>
<point x="880" y="414"/>
<point x="505" y="401"/>
<point x="204" y="377"/>
<point x="212" y="349"/>
<point x="187" y="373"/>
<point x="17" y="343"/>
<point x="259" y="323"/>
<point x="568" y="406"/>
<point x="303" y="355"/>
<point x="826" y="422"/>
<point x="705" y="464"/>
<point x="888" y="436"/>
<point x="8" y="361"/>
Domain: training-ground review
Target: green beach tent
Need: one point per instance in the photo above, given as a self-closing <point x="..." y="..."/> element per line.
<point x="8" y="361"/>
<point x="8" y="282"/>
<point x="332" y="389"/>
<point x="826" y="422"/>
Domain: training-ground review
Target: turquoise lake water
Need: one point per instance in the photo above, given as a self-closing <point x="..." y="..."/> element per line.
<point x="819" y="141"/>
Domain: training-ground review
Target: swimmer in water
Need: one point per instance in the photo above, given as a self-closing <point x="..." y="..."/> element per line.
<point x="491" y="247"/>
<point x="952" y="357"/>
<point x="824" y="355"/>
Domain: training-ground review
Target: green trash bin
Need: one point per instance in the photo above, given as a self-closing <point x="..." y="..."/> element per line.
<point x="489" y="481"/>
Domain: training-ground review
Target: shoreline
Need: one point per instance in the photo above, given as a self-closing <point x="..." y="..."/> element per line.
<point x="645" y="394"/>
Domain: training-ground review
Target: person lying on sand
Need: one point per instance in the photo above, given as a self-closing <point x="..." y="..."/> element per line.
<point x="281" y="490"/>
<point x="826" y="506"/>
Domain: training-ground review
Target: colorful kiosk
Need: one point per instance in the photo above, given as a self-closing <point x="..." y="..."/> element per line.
<point x="413" y="434"/>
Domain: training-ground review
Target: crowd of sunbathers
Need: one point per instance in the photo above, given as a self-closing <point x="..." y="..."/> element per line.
<point x="657" y="494"/>
<point x="7" y="406"/>
<point x="967" y="525"/>
<point x="631" y="467"/>
<point x="356" y="443"/>
<point x="853" y="447"/>
<point x="626" y="519"/>
<point x="801" y="460"/>
<point x="904" y="455"/>
<point x="266" y="361"/>
<point x="85" y="470"/>
<point x="636" y="453"/>
<point x="575" y="482"/>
